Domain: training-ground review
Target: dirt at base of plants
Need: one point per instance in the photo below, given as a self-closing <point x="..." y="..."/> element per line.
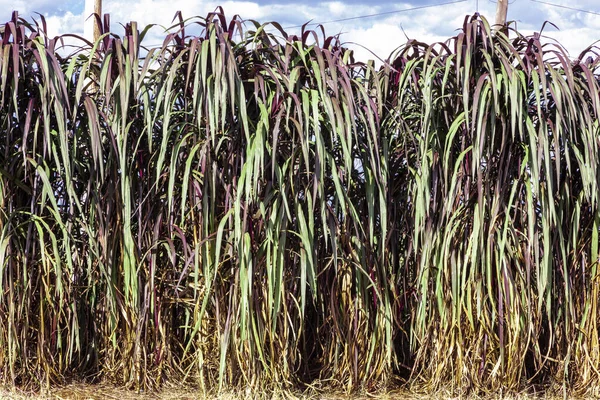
<point x="110" y="392"/>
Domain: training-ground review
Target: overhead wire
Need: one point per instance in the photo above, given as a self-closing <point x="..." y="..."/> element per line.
<point x="378" y="14"/>
<point x="431" y="6"/>
<point x="566" y="7"/>
<point x="381" y="14"/>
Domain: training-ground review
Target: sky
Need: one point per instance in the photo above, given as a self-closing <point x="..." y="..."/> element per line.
<point x="381" y="34"/>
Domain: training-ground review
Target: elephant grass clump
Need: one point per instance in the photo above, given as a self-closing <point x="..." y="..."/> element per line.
<point x="242" y="209"/>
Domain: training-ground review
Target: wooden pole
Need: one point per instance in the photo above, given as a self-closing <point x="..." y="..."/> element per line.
<point x="98" y="12"/>
<point x="501" y="13"/>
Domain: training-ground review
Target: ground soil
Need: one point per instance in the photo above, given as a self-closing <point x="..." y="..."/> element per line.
<point x="108" y="392"/>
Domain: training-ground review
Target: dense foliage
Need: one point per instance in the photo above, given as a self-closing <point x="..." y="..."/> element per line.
<point x="242" y="209"/>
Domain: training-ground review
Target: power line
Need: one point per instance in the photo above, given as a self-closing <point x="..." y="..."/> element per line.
<point x="568" y="8"/>
<point x="378" y="14"/>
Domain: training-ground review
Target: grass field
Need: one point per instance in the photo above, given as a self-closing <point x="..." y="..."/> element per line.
<point x="238" y="209"/>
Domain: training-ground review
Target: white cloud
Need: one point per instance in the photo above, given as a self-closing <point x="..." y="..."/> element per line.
<point x="382" y="34"/>
<point x="574" y="40"/>
<point x="66" y="23"/>
<point x="337" y="8"/>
